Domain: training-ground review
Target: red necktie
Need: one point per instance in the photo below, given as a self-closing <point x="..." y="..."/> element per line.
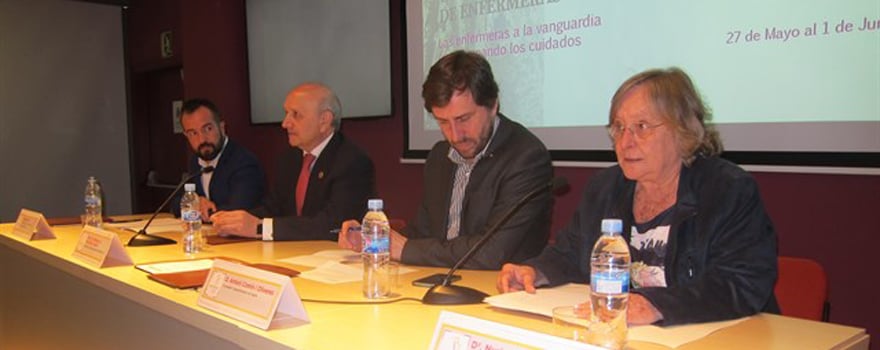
<point x="303" y="182"/>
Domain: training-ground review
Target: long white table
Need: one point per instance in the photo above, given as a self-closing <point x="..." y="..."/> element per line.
<point x="50" y="300"/>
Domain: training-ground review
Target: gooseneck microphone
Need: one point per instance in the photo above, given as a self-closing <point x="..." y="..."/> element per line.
<point x="142" y="238"/>
<point x="447" y="294"/>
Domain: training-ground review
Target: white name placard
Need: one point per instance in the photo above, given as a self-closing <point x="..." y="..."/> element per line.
<point x="258" y="297"/>
<point x="100" y="248"/>
<point x="457" y="331"/>
<point x="32" y="225"/>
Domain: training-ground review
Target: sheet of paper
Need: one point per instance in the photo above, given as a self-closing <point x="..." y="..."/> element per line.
<point x="158" y="225"/>
<point x="332" y="272"/>
<point x="545" y="299"/>
<point x="176" y="266"/>
<point x="317" y="259"/>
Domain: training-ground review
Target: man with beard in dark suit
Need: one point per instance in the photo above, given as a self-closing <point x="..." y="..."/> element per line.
<point x="485" y="164"/>
<point x="237" y="181"/>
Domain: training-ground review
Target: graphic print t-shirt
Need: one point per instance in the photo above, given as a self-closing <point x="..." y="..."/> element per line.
<point x="648" y="243"/>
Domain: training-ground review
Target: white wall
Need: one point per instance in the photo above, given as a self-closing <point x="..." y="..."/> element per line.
<point x="62" y="106"/>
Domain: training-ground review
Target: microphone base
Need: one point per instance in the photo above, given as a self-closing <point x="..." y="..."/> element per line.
<point x="453" y="295"/>
<point x="146" y="240"/>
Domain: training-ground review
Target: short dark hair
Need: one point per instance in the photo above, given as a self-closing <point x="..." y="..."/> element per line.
<point x="459" y="71"/>
<point x="191" y="105"/>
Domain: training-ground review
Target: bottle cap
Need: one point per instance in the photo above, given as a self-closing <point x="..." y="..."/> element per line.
<point x="189" y="187"/>
<point x="375" y="204"/>
<point x="612" y="225"/>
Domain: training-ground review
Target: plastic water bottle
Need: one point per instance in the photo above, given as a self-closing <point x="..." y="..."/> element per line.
<point x="192" y="220"/>
<point x="93" y="201"/>
<point x="609" y="287"/>
<point x="375" y="237"/>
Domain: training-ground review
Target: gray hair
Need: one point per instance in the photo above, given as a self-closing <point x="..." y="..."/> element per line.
<point x="331" y="102"/>
<point x="327" y="100"/>
<point x="675" y="98"/>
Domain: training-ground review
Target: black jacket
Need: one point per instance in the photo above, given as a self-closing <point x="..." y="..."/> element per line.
<point x="237" y="181"/>
<point x="514" y="164"/>
<point x="721" y="254"/>
<point x="341" y="181"/>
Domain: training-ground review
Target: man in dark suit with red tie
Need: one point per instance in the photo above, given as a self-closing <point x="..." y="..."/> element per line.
<point x="321" y="181"/>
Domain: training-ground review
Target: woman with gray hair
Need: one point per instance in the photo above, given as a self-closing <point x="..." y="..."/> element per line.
<point x="702" y="245"/>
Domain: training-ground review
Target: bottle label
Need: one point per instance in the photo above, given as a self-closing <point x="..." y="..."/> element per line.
<point x="191" y="215"/>
<point x="376" y="246"/>
<point x="92" y="200"/>
<point x="610" y="282"/>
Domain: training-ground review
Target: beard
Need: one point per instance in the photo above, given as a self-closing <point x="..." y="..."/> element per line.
<point x="208" y="151"/>
<point x="464" y="146"/>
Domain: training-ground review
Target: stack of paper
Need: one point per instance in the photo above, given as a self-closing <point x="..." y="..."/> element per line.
<point x="334" y="266"/>
<point x="332" y="272"/>
<point x="342" y="256"/>
<point x="545" y="299"/>
<point x="158" y="225"/>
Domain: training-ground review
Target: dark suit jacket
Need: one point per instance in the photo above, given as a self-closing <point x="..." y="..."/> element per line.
<point x="237" y="182"/>
<point x="720" y="259"/>
<point x="515" y="163"/>
<point x="341" y="181"/>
